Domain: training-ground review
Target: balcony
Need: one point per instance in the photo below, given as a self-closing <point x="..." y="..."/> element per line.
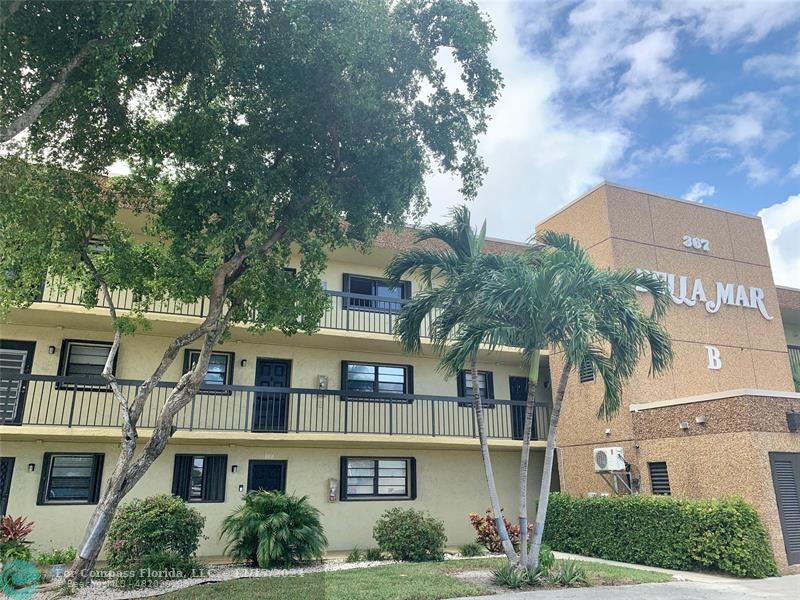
<point x="246" y="410"/>
<point x="346" y="311"/>
<point x="794" y="361"/>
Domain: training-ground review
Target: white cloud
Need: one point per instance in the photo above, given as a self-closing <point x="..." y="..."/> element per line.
<point x="776" y="66"/>
<point x="782" y="228"/>
<point x="579" y="75"/>
<point x="698" y="191"/>
<point x="794" y="170"/>
<point x="757" y="172"/>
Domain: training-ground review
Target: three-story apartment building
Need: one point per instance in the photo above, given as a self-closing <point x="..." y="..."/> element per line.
<point x="345" y="417"/>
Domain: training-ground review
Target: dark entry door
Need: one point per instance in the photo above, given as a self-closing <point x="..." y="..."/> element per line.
<point x="267" y="475"/>
<point x="271" y="410"/>
<point x="6" y="470"/>
<point x="786" y="479"/>
<point x="15" y="358"/>
<point x="519" y="393"/>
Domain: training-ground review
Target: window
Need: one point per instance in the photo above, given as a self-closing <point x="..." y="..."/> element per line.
<point x="378" y="478"/>
<point x="381" y="291"/>
<point x="200" y="477"/>
<point x="70" y="478"/>
<point x="659" y="478"/>
<point x="220" y="367"/>
<point x="84" y="359"/>
<point x="377" y="378"/>
<point x="485" y="387"/>
<point x="586" y="373"/>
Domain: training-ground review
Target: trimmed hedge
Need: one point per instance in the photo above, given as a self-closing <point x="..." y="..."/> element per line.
<point x="718" y="535"/>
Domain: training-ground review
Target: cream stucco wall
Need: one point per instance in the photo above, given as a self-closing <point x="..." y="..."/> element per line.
<point x="450" y="485"/>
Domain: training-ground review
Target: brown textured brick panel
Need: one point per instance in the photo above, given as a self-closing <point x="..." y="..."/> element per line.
<point x="724" y="415"/>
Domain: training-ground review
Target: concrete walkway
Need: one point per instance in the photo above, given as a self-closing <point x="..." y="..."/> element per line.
<point x="774" y="588"/>
<point x="679" y="575"/>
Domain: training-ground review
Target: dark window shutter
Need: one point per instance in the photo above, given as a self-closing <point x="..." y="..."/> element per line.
<point x="181" y="475"/>
<point x="490" y="385"/>
<point x="409" y="379"/>
<point x="214" y="478"/>
<point x="343" y="381"/>
<point x="659" y="478"/>
<point x="406" y="290"/>
<point x="345" y="282"/>
<point x="187" y="360"/>
<point x="231" y="367"/>
<point x="461" y="384"/>
<point x="412" y="476"/>
<point x="48" y="457"/>
<point x="343" y="478"/>
<point x="97" y="480"/>
<point x="586" y="373"/>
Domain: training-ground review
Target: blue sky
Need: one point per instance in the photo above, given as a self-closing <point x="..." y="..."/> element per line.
<point x="688" y="98"/>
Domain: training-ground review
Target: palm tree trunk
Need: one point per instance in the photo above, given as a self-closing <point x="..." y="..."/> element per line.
<point x="483" y="437"/>
<point x="533" y="379"/>
<point x="547" y="469"/>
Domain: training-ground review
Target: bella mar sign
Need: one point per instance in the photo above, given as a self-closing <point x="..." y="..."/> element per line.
<point x="690" y="293"/>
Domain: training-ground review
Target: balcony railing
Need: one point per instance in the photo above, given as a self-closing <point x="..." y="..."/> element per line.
<point x="87" y="402"/>
<point x="794" y="361"/>
<point x="345" y="312"/>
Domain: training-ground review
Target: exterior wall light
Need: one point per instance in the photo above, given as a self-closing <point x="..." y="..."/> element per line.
<point x="234" y="468"/>
<point x="243" y="362"/>
<point x="51" y="349"/>
<point x="608" y="431"/>
<point x="241" y="487"/>
<point x="684" y="425"/>
<point x="701" y="420"/>
<point x="31" y="467"/>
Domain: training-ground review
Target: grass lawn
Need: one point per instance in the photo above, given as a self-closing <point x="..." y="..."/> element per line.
<point x="408" y="581"/>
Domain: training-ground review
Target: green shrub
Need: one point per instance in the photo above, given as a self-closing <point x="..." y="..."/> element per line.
<point x="14" y="550"/>
<point x="355" y="555"/>
<point x="13" y="542"/>
<point x="510" y="576"/>
<point x="471" y="549"/>
<point x="546" y="559"/>
<point x="56" y="557"/>
<point x="274" y="529"/>
<point x="147" y="530"/>
<point x="723" y="535"/>
<point x="373" y="554"/>
<point x="410" y="535"/>
<point x="568" y="574"/>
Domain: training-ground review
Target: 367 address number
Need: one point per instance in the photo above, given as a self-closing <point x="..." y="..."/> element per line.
<point x="695" y="242"/>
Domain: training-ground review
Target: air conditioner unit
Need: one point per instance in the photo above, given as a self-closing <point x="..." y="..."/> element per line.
<point x="608" y="459"/>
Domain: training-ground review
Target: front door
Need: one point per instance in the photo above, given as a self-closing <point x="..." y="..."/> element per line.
<point x="267" y="475"/>
<point x="15" y="358"/>
<point x="271" y="410"/>
<point x="519" y="393"/>
<point x="6" y="471"/>
<point x="786" y="479"/>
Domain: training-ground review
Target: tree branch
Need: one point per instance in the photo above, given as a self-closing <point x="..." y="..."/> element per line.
<point x="34" y="111"/>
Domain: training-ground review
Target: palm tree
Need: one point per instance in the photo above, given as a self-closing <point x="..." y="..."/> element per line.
<point x="553" y="297"/>
<point x="439" y="266"/>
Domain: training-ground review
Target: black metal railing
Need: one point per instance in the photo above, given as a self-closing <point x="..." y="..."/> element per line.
<point x="345" y="312"/>
<point x="88" y="402"/>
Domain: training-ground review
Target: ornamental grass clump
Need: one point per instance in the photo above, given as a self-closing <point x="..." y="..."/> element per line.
<point x="274" y="529"/>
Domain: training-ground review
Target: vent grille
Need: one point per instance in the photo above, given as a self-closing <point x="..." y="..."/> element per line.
<point x="659" y="478"/>
<point x="586" y="372"/>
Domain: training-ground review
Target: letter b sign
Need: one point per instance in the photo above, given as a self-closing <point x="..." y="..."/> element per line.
<point x="714" y="359"/>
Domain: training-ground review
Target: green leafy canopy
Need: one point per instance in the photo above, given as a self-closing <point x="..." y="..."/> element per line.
<point x="259" y="130"/>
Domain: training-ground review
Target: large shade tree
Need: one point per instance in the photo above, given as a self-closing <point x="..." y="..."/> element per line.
<point x="552" y="297"/>
<point x="296" y="127"/>
<point x="442" y="254"/>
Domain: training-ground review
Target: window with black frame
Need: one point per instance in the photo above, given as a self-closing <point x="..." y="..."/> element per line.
<point x="378" y="478"/>
<point x="85" y="360"/>
<point x="70" y="478"/>
<point x="220" y="367"/>
<point x="485" y="387"/>
<point x="376" y="378"/>
<point x="384" y="297"/>
<point x="200" y="477"/>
